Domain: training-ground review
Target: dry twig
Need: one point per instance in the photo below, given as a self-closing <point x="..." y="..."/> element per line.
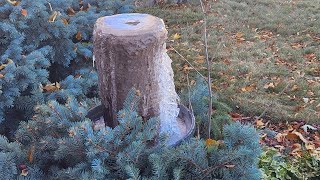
<point x="209" y="66"/>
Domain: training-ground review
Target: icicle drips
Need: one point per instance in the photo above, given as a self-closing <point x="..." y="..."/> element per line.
<point x="168" y="104"/>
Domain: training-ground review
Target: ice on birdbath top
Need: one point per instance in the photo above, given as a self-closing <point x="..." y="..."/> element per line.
<point x="132" y="24"/>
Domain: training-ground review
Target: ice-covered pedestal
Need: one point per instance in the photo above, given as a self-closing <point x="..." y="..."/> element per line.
<point x="130" y="51"/>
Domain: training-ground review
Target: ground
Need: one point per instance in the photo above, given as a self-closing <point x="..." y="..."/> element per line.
<point x="265" y="59"/>
<point x="265" y="54"/>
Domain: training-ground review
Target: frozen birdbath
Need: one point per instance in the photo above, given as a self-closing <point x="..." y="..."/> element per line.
<point x="130" y="51"/>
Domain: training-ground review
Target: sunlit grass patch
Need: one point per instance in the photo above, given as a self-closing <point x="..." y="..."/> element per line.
<point x="265" y="54"/>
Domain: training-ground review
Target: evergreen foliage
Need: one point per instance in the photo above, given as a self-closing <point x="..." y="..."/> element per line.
<point x="198" y="95"/>
<point x="61" y="143"/>
<point x="45" y="42"/>
<point x="46" y="78"/>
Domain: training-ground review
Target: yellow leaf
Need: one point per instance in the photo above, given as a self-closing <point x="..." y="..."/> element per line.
<point x="295" y="88"/>
<point x="310" y="146"/>
<point x="138" y="92"/>
<point x="259" y="123"/>
<point x="30" y="154"/>
<point x="296" y="150"/>
<point x="14" y="3"/>
<point x="2" y="66"/>
<point x="248" y="88"/>
<point x="296" y="45"/>
<point x="211" y="142"/>
<point x="51" y="87"/>
<point x="24" y="12"/>
<point x="53" y="16"/>
<point x="296" y="147"/>
<point x="78" y="36"/>
<point x="199" y="61"/>
<point x="176" y="36"/>
<point x="239" y="35"/>
<point x="58" y="85"/>
<point x="65" y="21"/>
<point x="269" y="85"/>
<point x="186" y="68"/>
<point x="280" y="137"/>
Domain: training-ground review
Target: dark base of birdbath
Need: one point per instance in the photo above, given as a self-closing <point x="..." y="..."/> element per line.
<point x="185" y="120"/>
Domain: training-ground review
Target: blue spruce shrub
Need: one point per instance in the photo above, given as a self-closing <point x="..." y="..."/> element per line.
<point x="46" y="77"/>
<point x="198" y="96"/>
<point x="61" y="143"/>
<point x="45" y="42"/>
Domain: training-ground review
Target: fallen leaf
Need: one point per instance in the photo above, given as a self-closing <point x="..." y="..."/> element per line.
<point x="296" y="45"/>
<point x="30" y="154"/>
<point x="65" y="21"/>
<point x="53" y="16"/>
<point x="78" y="36"/>
<point x="71" y="12"/>
<point x="230" y="165"/>
<point x="316" y="143"/>
<point x="259" y="123"/>
<point x="10" y="61"/>
<point x="51" y="87"/>
<point x="292" y="136"/>
<point x="176" y="36"/>
<point x="226" y="61"/>
<point x="211" y="142"/>
<point x="295" y="148"/>
<point x="1" y="75"/>
<point x="235" y="115"/>
<point x="24" y="172"/>
<point x="301" y="137"/>
<point x="248" y="88"/>
<point x="2" y="66"/>
<point x="295" y="88"/>
<point x="269" y="85"/>
<point x="239" y="35"/>
<point x="14" y="3"/>
<point x="310" y="56"/>
<point x="281" y="148"/>
<point x="305" y="100"/>
<point x="24" y="12"/>
<point x="306" y="127"/>
<point x="186" y="67"/>
<point x="199" y="61"/>
<point x="310" y="146"/>
<point x="280" y="137"/>
<point x="138" y="92"/>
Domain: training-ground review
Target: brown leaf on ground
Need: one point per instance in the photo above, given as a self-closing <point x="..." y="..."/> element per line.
<point x="24" y="12"/>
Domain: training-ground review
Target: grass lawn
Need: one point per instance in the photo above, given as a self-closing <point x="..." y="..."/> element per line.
<point x="265" y="54"/>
